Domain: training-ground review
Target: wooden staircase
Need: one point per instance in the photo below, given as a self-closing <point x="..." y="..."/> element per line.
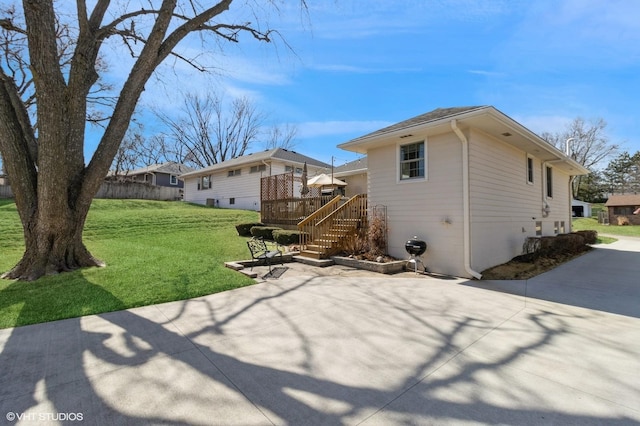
<point x="326" y="231"/>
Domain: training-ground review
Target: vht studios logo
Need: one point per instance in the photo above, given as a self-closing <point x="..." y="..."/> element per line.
<point x="43" y="417"/>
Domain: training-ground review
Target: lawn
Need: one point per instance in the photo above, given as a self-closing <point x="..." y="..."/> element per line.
<point x="155" y="252"/>
<point x="590" y="223"/>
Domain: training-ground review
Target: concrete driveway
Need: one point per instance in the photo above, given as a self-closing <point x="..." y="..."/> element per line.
<point x="347" y="348"/>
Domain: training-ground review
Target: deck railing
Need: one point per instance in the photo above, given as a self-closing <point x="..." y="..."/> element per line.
<point x="290" y="211"/>
<point x="326" y="228"/>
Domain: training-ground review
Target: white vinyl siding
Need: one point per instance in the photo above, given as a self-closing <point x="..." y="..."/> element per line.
<point x="429" y="209"/>
<point x="504" y="208"/>
<point x="241" y="188"/>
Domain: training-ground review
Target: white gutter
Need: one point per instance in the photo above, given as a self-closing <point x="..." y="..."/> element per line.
<point x="465" y="201"/>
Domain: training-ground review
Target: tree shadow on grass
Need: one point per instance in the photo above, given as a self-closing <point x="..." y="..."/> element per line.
<point x="201" y="362"/>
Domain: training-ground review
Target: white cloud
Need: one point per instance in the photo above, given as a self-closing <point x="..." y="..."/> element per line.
<point x="487" y="73"/>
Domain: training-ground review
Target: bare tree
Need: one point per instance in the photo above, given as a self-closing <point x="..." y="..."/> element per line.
<point x="588" y="144"/>
<point x="207" y="131"/>
<point x="44" y="152"/>
<point x="281" y="136"/>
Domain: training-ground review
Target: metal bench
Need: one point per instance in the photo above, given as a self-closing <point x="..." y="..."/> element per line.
<point x="260" y="252"/>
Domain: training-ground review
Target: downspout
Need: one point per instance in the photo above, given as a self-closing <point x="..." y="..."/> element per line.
<point x="465" y="201"/>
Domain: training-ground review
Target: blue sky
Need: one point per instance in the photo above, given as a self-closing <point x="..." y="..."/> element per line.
<point x="356" y="66"/>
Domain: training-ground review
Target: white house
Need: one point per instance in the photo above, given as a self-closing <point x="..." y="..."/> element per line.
<point x="235" y="183"/>
<point x="471" y="182"/>
<point x="354" y="173"/>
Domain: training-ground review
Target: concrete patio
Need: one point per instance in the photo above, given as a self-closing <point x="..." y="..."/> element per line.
<point x="341" y="346"/>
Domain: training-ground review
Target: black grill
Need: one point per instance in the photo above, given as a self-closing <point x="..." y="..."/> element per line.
<point x="415" y="247"/>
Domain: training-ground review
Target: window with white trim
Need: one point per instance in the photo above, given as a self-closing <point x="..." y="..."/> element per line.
<point x="412" y="161"/>
<point x="235" y="172"/>
<point x="529" y="170"/>
<point x="258" y="168"/>
<point x="549" y="173"/>
<point x="205" y="182"/>
<point x="173" y="180"/>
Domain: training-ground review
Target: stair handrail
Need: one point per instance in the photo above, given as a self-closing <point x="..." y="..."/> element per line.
<point x="323" y="211"/>
<point x="324" y="225"/>
<point x="306" y="227"/>
<point x="349" y="203"/>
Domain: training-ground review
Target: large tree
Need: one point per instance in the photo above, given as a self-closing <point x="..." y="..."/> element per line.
<point x="588" y="144"/>
<point x="43" y="151"/>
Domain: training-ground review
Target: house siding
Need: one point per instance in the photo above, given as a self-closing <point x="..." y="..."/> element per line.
<point x="356" y="184"/>
<point x="504" y="206"/>
<point x="430" y="209"/>
<point x="244" y="189"/>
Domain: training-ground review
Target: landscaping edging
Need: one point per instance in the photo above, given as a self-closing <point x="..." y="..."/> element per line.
<point x="379" y="267"/>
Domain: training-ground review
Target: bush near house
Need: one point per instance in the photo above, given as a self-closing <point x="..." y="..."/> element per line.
<point x="264" y="232"/>
<point x="559" y="245"/>
<point x="286" y="237"/>
<point x="244" y="229"/>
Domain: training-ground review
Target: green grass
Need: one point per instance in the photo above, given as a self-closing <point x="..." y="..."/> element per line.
<point x="155" y="252"/>
<point x="590" y="223"/>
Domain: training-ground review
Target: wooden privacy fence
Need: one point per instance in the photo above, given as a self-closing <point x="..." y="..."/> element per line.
<point x="5" y="191"/>
<point x="137" y="190"/>
<point x="124" y="190"/>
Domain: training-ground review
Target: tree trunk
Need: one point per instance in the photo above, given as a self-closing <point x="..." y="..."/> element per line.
<point x="53" y="244"/>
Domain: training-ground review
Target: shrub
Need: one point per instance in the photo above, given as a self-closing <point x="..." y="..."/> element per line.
<point x="377" y="235"/>
<point x="264" y="232"/>
<point x="244" y="229"/>
<point x="286" y="237"/>
<point x="623" y="220"/>
<point x="570" y="243"/>
<point x="590" y="237"/>
<point x="357" y="245"/>
<point x="561" y="244"/>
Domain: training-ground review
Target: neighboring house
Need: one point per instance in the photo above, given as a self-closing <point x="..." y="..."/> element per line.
<point x="471" y="182"/>
<point x="235" y="183"/>
<point x="580" y="208"/>
<point x="354" y="174"/>
<point x="165" y="174"/>
<point x="624" y="206"/>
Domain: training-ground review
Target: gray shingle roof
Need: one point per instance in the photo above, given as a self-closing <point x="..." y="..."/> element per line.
<point x="434" y="115"/>
<point x="276" y="153"/>
<point x="169" y="167"/>
<point x="359" y="164"/>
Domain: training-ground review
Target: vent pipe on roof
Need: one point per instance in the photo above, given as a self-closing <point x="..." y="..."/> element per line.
<point x="567" y="146"/>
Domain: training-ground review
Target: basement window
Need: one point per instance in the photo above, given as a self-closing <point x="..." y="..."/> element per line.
<point x="538" y="228"/>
